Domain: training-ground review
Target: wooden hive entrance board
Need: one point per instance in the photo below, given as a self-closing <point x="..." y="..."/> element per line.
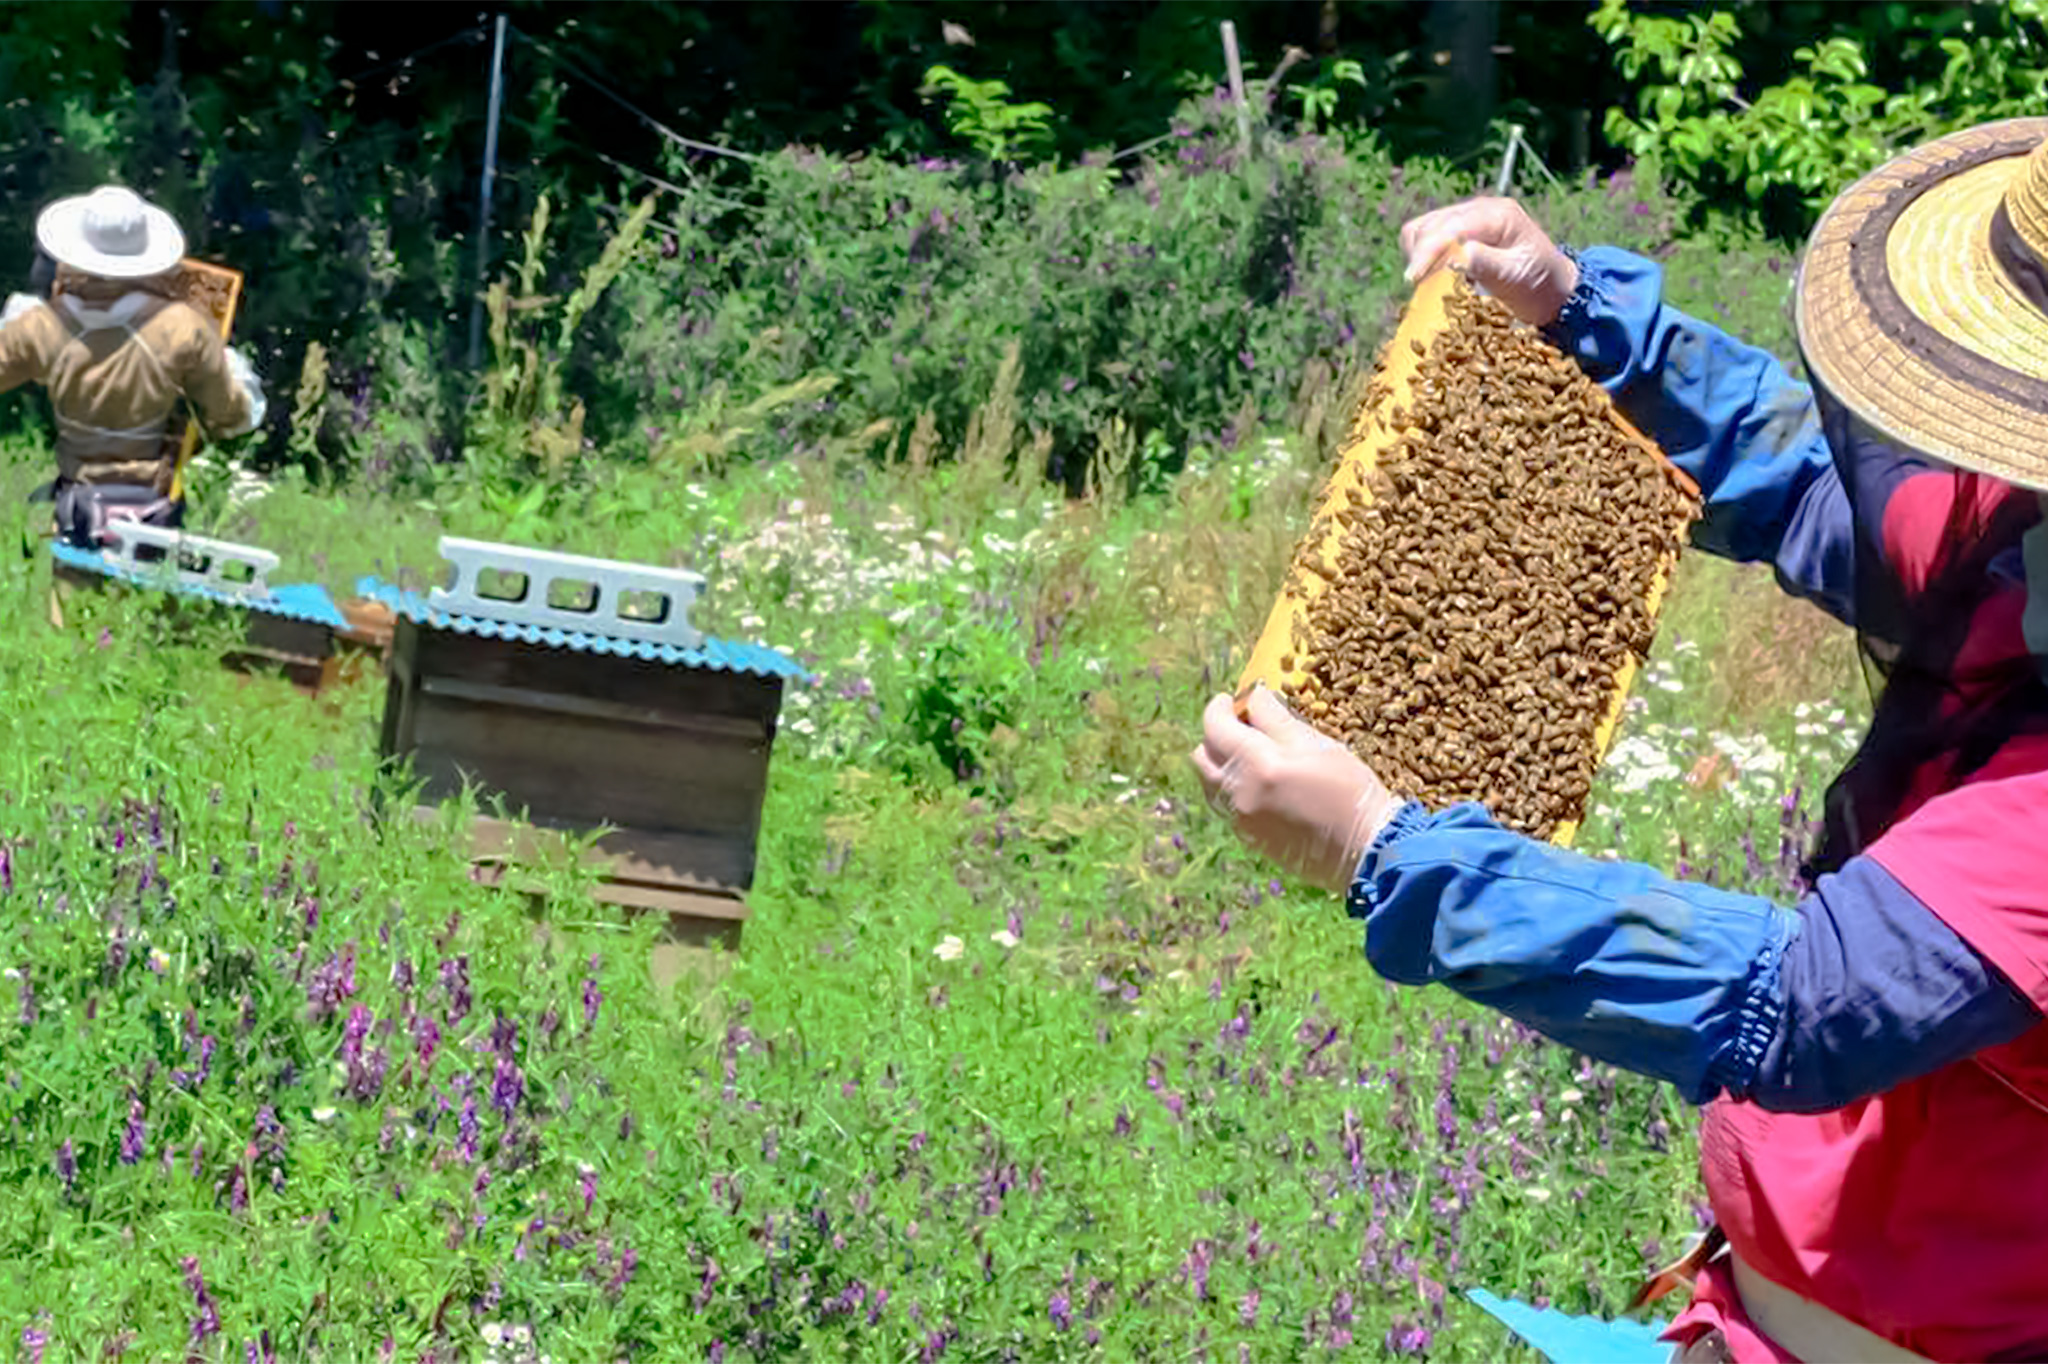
<point x="1276" y="660"/>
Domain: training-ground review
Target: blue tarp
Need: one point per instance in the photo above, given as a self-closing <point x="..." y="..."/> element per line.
<point x="1566" y="1339"/>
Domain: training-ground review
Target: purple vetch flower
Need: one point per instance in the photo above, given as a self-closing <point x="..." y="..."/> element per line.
<point x="1196" y="1267"/>
<point x="629" y="1260"/>
<point x="1248" y="1309"/>
<point x="7" y="885"/>
<point x="1060" y="1310"/>
<point x="508" y="1087"/>
<point x="592" y="996"/>
<point x="426" y="1041"/>
<point x="716" y="1354"/>
<point x="1406" y="1337"/>
<point x="1352" y="1138"/>
<point x="466" y="1132"/>
<point x="67" y="1164"/>
<point x="586" y="1179"/>
<point x="238" y="1191"/>
<point x="27" y="999"/>
<point x="135" y="1136"/>
<point x="1340" y="1321"/>
<point x="366" y="1080"/>
<point x="334" y="980"/>
<point x="504" y="1037"/>
<point x="526" y="1235"/>
<point x="875" y="1306"/>
<point x="205" y="1321"/>
<point x="354" y="1033"/>
<point x="455" y="983"/>
<point x="710" y="1281"/>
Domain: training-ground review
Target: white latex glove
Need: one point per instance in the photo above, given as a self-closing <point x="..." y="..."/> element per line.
<point x="1294" y="794"/>
<point x="1505" y="253"/>
<point x="251" y="384"/>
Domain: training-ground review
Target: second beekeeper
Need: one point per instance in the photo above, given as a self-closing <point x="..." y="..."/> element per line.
<point x="115" y="353"/>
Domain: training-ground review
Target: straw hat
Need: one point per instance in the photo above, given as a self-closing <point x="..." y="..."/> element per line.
<point x="1923" y="300"/>
<point x="111" y="233"/>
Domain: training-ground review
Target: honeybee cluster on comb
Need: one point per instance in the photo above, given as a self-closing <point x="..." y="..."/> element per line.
<point x="1493" y="580"/>
<point x="209" y="288"/>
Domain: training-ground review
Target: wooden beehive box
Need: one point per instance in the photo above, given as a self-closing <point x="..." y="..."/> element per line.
<point x="589" y="720"/>
<point x="1278" y="660"/>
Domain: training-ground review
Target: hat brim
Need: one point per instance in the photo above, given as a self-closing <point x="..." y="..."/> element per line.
<point x="60" y="231"/>
<point x="1906" y="318"/>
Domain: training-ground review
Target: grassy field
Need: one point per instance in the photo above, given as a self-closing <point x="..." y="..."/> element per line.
<point x="1023" y="1057"/>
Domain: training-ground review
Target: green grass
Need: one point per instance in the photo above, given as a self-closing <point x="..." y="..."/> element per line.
<point x="1154" y="1106"/>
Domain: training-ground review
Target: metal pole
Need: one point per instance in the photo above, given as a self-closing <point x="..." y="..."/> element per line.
<point x="1236" y="70"/>
<point x="483" y="231"/>
<point x="1507" y="162"/>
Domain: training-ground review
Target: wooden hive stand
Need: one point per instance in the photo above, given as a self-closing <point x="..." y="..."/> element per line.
<point x="589" y="717"/>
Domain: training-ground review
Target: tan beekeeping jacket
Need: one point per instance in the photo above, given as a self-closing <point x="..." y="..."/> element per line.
<point x="114" y="370"/>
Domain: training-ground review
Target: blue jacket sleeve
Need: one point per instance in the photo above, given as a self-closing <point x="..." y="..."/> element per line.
<point x="1859" y="989"/>
<point x="1727" y="414"/>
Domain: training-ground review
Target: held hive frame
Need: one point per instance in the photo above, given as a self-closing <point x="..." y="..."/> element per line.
<point x="1372" y="433"/>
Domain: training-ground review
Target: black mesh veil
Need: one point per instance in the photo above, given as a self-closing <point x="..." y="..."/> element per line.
<point x="1951" y="675"/>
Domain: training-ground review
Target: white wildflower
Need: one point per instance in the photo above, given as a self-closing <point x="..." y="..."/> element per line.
<point x="949" y="948"/>
<point x="1002" y="937"/>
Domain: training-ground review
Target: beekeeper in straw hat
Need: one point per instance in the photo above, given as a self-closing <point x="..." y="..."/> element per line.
<point x="115" y="354"/>
<point x="1873" y="1059"/>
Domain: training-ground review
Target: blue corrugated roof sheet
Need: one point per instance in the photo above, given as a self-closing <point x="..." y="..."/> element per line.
<point x="718" y="655"/>
<point x="293" y="601"/>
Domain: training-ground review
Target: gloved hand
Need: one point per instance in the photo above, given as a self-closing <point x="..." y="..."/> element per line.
<point x="251" y="384"/>
<point x="1505" y="253"/>
<point x="1294" y="794"/>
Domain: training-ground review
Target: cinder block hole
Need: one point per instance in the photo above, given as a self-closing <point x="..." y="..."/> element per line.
<point x="644" y="606"/>
<point x="567" y="594"/>
<point x="238" y="571"/>
<point x="501" y="584"/>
